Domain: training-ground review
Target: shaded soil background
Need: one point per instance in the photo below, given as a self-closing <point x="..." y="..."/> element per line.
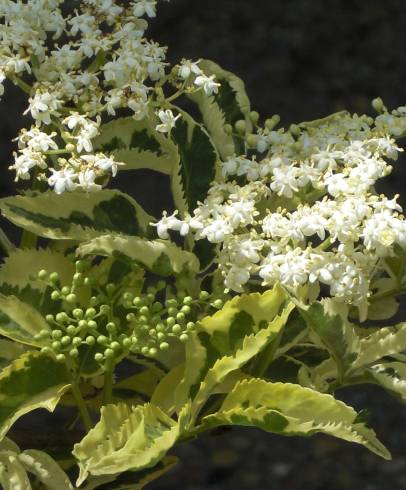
<point x="302" y="59"/>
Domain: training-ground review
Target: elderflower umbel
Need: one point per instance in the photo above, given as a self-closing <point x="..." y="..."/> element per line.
<point x="306" y="215"/>
<point x="78" y="68"/>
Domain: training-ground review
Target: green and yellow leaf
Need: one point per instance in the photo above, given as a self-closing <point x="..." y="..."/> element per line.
<point x="30" y="382"/>
<point x="290" y="409"/>
<point x="20" y="322"/>
<point x="125" y="438"/>
<point x="76" y="215"/>
<point x="159" y="256"/>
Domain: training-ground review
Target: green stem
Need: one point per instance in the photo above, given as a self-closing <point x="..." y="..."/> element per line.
<point x="81" y="404"/>
<point x="20" y="83"/>
<point x="108" y="384"/>
<point x="5" y="243"/>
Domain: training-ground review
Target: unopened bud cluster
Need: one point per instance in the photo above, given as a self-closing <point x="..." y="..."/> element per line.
<point x="115" y="322"/>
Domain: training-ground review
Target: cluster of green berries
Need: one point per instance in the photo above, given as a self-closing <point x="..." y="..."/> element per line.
<point x="114" y="322"/>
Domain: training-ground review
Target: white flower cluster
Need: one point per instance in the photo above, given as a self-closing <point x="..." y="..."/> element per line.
<point x="75" y="67"/>
<point x="306" y="215"/>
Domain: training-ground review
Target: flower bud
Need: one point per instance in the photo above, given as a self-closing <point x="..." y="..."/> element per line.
<point x="42" y="274"/>
<point x="254" y="117"/>
<point x="240" y="126"/>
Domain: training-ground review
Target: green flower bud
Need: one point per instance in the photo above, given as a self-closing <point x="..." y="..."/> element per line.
<point x="134" y="340"/>
<point x="81" y="265"/>
<point x="109" y="353"/>
<point x="77" y="313"/>
<point x="71" y="298"/>
<point x="102" y="339"/>
<point x="150" y="297"/>
<point x="111" y="328"/>
<point x="46" y="351"/>
<point x="90" y="313"/>
<point x="254" y="116"/>
<point x="110" y="288"/>
<point x="60" y="358"/>
<point x="186" y="309"/>
<point x="180" y="317"/>
<point x="76" y="341"/>
<point x="160" y="335"/>
<point x="176" y="329"/>
<point x="157" y="306"/>
<point x="115" y="346"/>
<point x="144" y="310"/>
<point x="160" y="327"/>
<point x="128" y="296"/>
<point x="172" y="311"/>
<point x="153" y="351"/>
<point x="71" y="330"/>
<point x="171" y="302"/>
<point x="240" y="126"/>
<point x="170" y="321"/>
<point x="190" y="326"/>
<point x="98" y="357"/>
<point x="126" y="343"/>
<point x="218" y="303"/>
<point x="137" y="301"/>
<point x="78" y="279"/>
<point x="90" y="340"/>
<point x="152" y="332"/>
<point x="204" y="295"/>
<point x="54" y="277"/>
<point x="88" y="281"/>
<point x="378" y="105"/>
<point x="184" y="337"/>
<point x="42" y="274"/>
<point x="83" y="324"/>
<point x="130" y="317"/>
<point x="94" y="301"/>
<point x="92" y="324"/>
<point x="145" y="350"/>
<point x="65" y="290"/>
<point x="252" y="140"/>
<point x="187" y="300"/>
<point x="164" y="346"/>
<point x="74" y="353"/>
<point x="56" y="345"/>
<point x="44" y="333"/>
<point x="49" y="318"/>
<point x="62" y="317"/>
<point x="57" y="334"/>
<point x="55" y="295"/>
<point x="104" y="309"/>
<point x="66" y="340"/>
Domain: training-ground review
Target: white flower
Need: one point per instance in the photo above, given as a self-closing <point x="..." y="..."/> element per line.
<point x="87" y="180"/>
<point x="287" y="180"/>
<point x="209" y="85"/>
<point x="168" y="121"/>
<point x="144" y="7"/>
<point x="62" y="180"/>
<point x="187" y="67"/>
<point x="236" y="277"/>
<point x="167" y="223"/>
<point x="42" y="106"/>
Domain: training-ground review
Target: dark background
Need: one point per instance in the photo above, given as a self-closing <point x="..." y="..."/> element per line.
<point x="302" y="59"/>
